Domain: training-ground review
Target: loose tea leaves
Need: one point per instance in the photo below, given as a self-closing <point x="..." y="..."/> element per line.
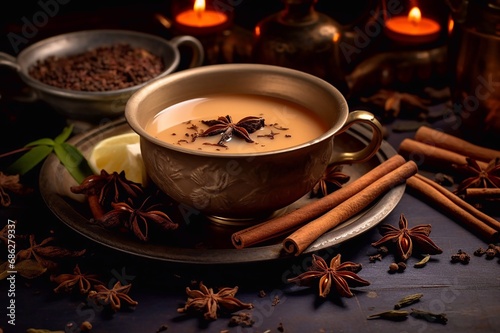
<point x="103" y="68"/>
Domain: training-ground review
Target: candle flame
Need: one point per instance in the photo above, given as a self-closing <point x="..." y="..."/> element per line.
<point x="414" y="16"/>
<point x="451" y="24"/>
<point x="199" y="6"/>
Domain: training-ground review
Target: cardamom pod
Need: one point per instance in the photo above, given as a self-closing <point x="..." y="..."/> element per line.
<point x="422" y="262"/>
<point x="407" y="300"/>
<point x="391" y="315"/>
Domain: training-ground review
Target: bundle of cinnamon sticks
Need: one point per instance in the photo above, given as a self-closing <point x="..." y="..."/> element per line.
<point x="434" y="149"/>
<point x="304" y="225"/>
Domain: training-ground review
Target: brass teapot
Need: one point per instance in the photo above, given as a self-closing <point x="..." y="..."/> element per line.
<point x="299" y="37"/>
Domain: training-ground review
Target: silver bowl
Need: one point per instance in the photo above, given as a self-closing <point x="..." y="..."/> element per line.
<point x="94" y="106"/>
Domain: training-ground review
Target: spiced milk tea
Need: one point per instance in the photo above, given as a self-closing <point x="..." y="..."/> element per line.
<point x="236" y="123"/>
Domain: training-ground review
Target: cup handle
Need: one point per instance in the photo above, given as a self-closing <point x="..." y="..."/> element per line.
<point x="371" y="149"/>
<point x="196" y="47"/>
<point x="29" y="95"/>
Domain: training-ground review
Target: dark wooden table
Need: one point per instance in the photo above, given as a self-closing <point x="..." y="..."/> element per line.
<point x="468" y="294"/>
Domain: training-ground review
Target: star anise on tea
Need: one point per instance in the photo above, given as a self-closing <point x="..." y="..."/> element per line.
<point x="67" y="282"/>
<point x="138" y="220"/>
<point x="478" y="177"/>
<point x="407" y="240"/>
<point x="208" y="302"/>
<point x="112" y="297"/>
<point x="226" y="128"/>
<point x="332" y="179"/>
<point x="341" y="275"/>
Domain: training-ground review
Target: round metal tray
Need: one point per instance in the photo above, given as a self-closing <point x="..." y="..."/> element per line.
<point x="205" y="242"/>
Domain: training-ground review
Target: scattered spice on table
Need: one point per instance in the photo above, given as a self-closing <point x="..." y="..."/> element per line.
<point x="243" y="319"/>
<point x="407" y="241"/>
<point x="211" y="303"/>
<point x="38" y="258"/>
<point x="408" y="300"/>
<point x="429" y="316"/>
<point x="114" y="297"/>
<point x="394" y="315"/>
<point x="461" y="257"/>
<point x="423" y="261"/>
<point x="340" y="276"/>
<point x="9" y="184"/>
<point x="67" y="282"/>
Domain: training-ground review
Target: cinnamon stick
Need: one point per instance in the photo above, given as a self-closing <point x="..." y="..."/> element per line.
<point x="297" y="242"/>
<point x="482" y="193"/>
<point x="287" y="223"/>
<point x="440" y="139"/>
<point x="432" y="156"/>
<point x="481" y="224"/>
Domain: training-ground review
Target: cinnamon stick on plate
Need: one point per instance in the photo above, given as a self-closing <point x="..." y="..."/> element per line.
<point x="287" y="223"/>
<point x="481" y="224"/>
<point x="452" y="143"/>
<point x="297" y="242"/>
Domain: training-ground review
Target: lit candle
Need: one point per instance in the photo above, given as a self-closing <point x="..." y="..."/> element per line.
<point x="200" y="20"/>
<point x="412" y="29"/>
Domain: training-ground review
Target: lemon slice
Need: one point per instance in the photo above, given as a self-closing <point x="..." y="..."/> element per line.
<point x="119" y="153"/>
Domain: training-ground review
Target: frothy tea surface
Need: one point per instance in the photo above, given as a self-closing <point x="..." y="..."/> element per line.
<point x="214" y="123"/>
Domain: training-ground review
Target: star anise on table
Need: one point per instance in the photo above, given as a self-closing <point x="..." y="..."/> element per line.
<point x="112" y="297"/>
<point x="138" y="220"/>
<point x="206" y="301"/>
<point x="226" y="128"/>
<point x="407" y="241"/>
<point x="10" y="183"/>
<point x="40" y="257"/>
<point x="478" y="177"/>
<point x="67" y="282"/>
<point x="332" y="179"/>
<point x="341" y="275"/>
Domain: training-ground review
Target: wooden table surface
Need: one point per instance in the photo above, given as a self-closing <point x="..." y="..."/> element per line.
<point x="469" y="295"/>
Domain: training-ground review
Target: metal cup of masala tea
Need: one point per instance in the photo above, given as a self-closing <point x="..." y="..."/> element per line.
<point x="237" y="142"/>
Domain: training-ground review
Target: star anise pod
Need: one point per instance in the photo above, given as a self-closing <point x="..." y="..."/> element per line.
<point x="39" y="257"/>
<point x="478" y="177"/>
<point x="137" y="220"/>
<point x="341" y="275"/>
<point x="67" y="282"/>
<point x="10" y="183"/>
<point x="407" y="240"/>
<point x="332" y="180"/>
<point x="210" y="304"/>
<point x="226" y="127"/>
<point x="108" y="188"/>
<point x="112" y="297"/>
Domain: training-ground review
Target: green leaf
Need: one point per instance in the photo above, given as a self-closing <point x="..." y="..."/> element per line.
<point x="41" y="142"/>
<point x="73" y="161"/>
<point x="29" y="160"/>
<point x="64" y="135"/>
